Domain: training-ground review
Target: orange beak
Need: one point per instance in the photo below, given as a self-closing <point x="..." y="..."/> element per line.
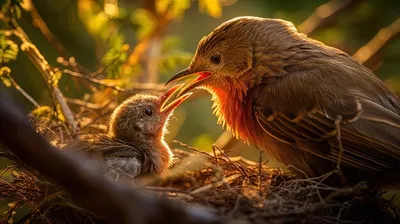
<point x="174" y="104"/>
<point x="201" y="78"/>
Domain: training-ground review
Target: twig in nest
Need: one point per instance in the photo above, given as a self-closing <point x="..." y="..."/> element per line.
<point x="192" y="148"/>
<point x="217" y="184"/>
<point x="241" y="170"/>
<point x="215" y="155"/>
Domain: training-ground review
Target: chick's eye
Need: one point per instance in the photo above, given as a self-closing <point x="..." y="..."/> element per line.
<point x="216" y="59"/>
<point x="148" y="112"/>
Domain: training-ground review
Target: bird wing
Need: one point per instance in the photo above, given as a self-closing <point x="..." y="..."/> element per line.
<point x="118" y="157"/>
<point x="369" y="133"/>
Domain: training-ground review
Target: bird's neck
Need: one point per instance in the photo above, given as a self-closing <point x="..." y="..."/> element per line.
<point x="234" y="111"/>
<point x="161" y="157"/>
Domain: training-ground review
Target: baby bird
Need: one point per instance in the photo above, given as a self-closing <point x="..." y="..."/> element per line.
<point x="134" y="145"/>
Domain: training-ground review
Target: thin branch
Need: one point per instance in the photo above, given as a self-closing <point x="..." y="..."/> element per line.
<point x="377" y="42"/>
<point x="38" y="22"/>
<point x="96" y="119"/>
<point x="324" y="13"/>
<point x="83" y="103"/>
<point x="93" y="80"/>
<point x="46" y="70"/>
<point x="20" y="89"/>
<point x="225" y="180"/>
<point x="116" y="202"/>
<point x="134" y="86"/>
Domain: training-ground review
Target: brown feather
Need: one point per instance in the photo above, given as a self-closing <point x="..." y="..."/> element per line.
<point x="288" y="94"/>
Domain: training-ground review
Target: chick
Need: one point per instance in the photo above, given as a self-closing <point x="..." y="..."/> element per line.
<point x="134" y="145"/>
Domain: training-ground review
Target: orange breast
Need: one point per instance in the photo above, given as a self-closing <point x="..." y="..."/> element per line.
<point x="234" y="112"/>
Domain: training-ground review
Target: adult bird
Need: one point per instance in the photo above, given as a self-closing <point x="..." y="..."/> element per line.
<point x="134" y="145"/>
<point x="308" y="104"/>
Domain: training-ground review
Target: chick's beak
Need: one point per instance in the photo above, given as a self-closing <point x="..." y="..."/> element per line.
<point x="202" y="76"/>
<point x="174" y="104"/>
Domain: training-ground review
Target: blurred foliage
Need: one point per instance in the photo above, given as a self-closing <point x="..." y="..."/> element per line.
<point x="12" y="8"/>
<point x="8" y="49"/>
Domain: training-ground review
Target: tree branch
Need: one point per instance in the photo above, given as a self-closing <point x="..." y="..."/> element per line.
<point x="134" y="86"/>
<point x="46" y="70"/>
<point x="38" y="22"/>
<point x="20" y="89"/>
<point x="377" y="42"/>
<point x="83" y="103"/>
<point x="116" y="202"/>
<point x="325" y="12"/>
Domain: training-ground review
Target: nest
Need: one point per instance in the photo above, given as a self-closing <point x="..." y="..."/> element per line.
<point x="238" y="190"/>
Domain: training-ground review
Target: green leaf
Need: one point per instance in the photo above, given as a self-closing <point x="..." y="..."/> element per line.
<point x="173" y="60"/>
<point x="170" y="43"/>
<point x="5" y="76"/>
<point x="55" y="78"/>
<point x="113" y="60"/>
<point x="48" y="113"/>
<point x="8" y="49"/>
<point x="145" y="21"/>
<point x="12" y="8"/>
<point x="171" y="56"/>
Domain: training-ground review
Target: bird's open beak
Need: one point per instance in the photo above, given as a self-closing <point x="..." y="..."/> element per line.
<point x="202" y="76"/>
<point x="174" y="104"/>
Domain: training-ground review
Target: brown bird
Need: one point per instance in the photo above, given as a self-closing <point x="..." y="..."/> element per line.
<point x="307" y="104"/>
<point x="134" y="145"/>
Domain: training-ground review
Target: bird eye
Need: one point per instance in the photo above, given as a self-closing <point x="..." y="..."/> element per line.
<point x="148" y="112"/>
<point x="216" y="59"/>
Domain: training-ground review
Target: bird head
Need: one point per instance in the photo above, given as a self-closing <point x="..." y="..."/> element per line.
<point x="144" y="116"/>
<point x="226" y="57"/>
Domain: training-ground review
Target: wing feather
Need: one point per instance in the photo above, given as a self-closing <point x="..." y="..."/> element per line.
<point x="370" y="139"/>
